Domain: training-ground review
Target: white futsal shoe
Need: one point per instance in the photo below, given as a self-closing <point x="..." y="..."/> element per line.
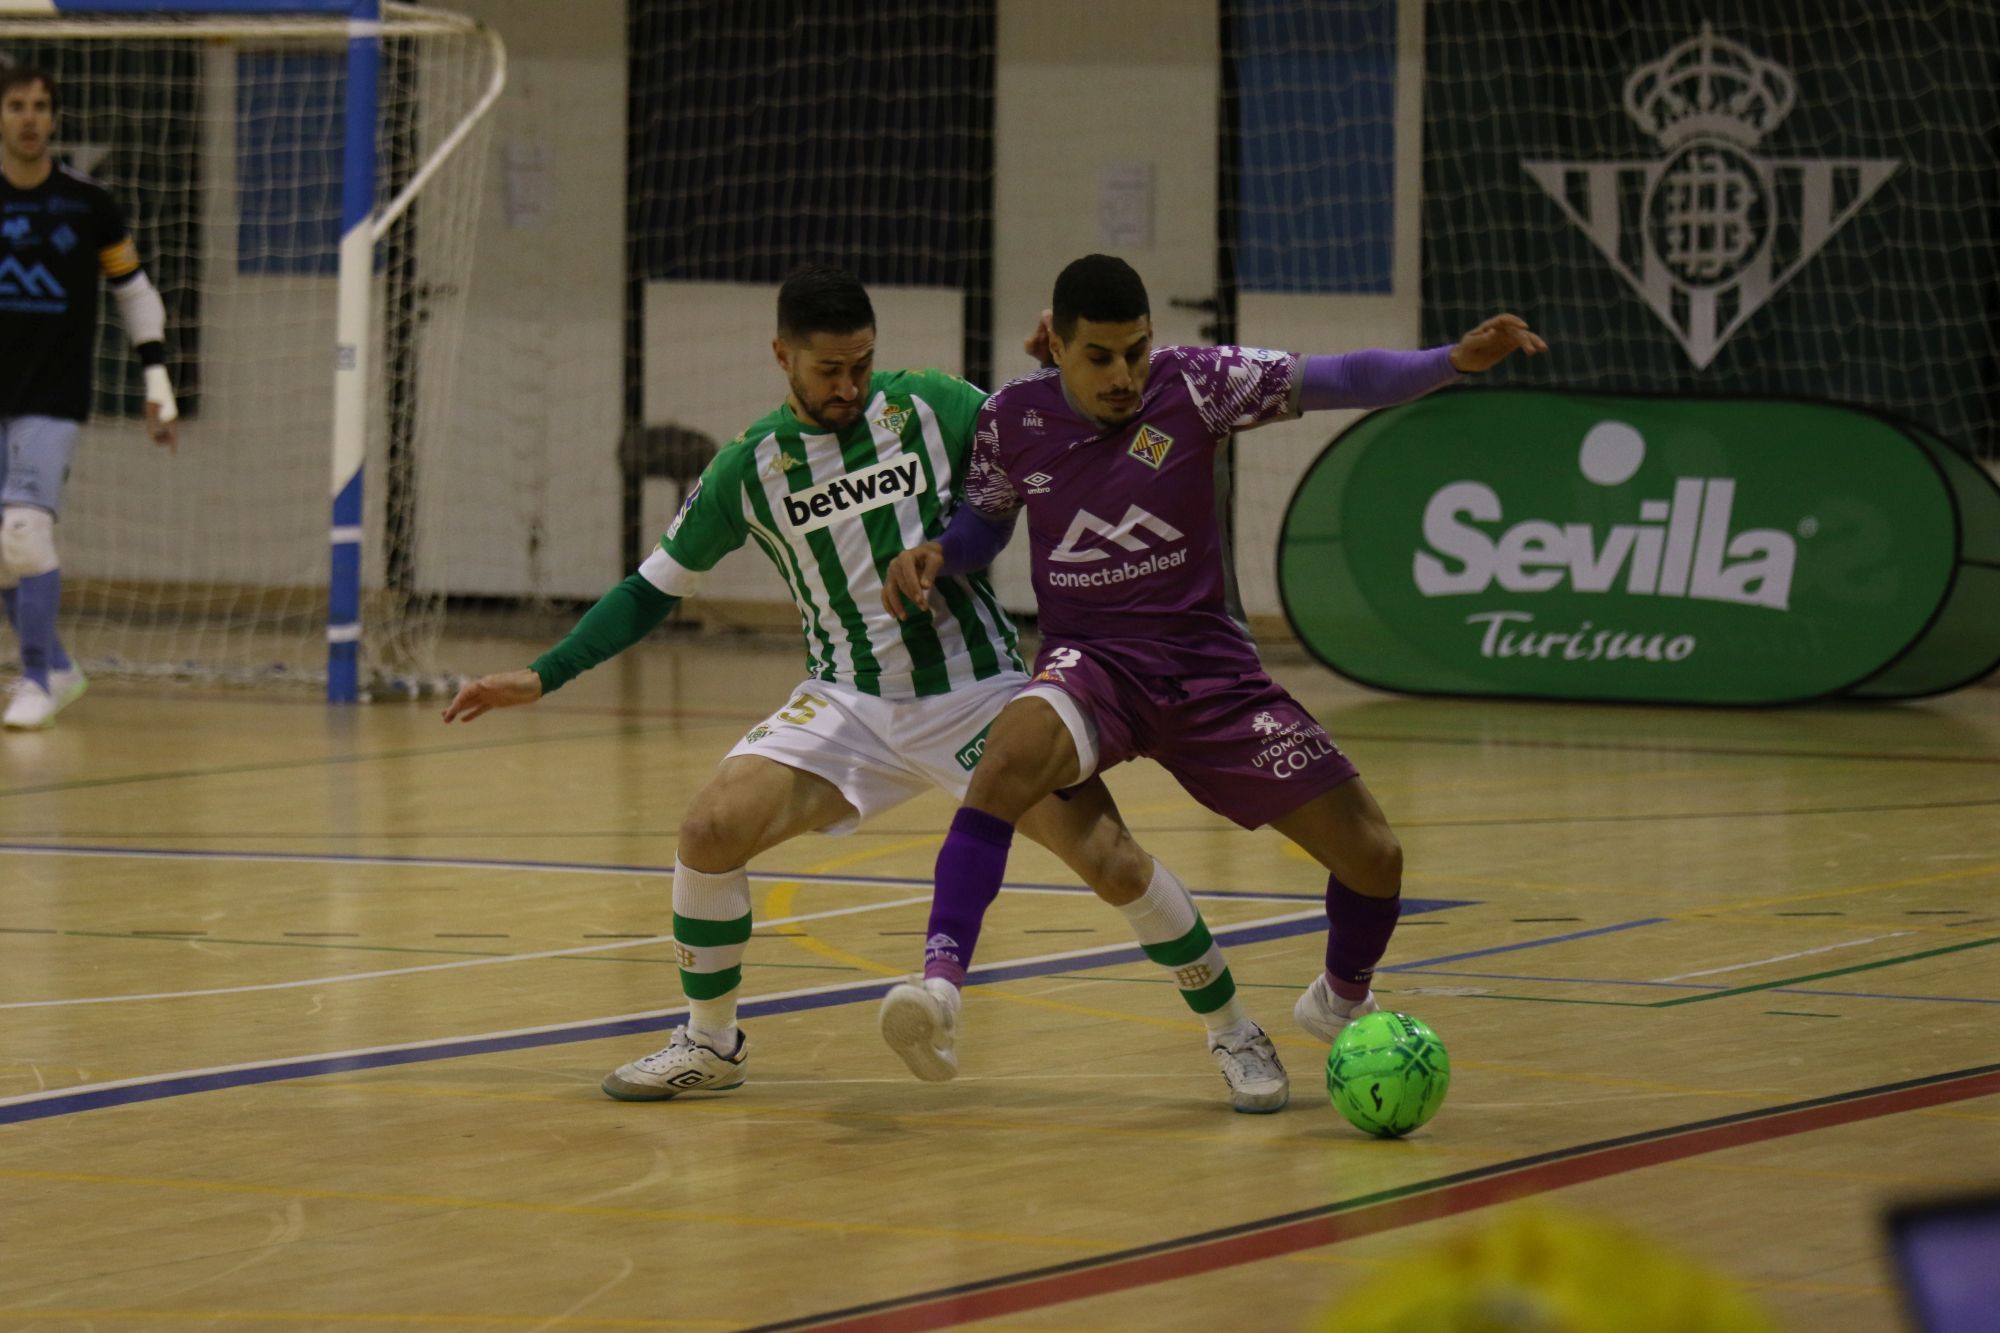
<point x="1323" y="1014"/>
<point x="682" y="1065"/>
<point x="1251" y="1067"/>
<point x="31" y="707"/>
<point x="920" y="1022"/>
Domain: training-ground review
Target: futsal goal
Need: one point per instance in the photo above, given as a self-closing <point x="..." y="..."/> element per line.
<point x="303" y="180"/>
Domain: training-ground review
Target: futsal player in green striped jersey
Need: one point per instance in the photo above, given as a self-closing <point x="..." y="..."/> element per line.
<point x="853" y="467"/>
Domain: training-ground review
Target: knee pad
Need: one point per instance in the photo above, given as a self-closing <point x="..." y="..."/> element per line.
<point x="27" y="542"/>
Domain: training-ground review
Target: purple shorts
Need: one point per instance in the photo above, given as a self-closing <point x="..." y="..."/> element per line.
<point x="1240" y="745"/>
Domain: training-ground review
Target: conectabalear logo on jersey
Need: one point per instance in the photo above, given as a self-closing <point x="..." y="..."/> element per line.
<point x="1717" y="228"/>
<point x="1086" y="528"/>
<point x="853" y="494"/>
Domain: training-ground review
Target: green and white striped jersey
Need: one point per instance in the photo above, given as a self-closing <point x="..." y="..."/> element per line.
<point x="831" y="511"/>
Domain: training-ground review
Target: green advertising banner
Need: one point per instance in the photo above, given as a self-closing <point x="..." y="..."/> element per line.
<point x="1576" y="546"/>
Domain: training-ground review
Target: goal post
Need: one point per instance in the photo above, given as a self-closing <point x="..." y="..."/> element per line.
<point x="303" y="138"/>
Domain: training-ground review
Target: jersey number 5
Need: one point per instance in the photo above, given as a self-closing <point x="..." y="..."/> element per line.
<point x="801" y="710"/>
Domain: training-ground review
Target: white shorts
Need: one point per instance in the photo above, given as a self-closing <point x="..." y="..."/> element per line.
<point x="882" y="752"/>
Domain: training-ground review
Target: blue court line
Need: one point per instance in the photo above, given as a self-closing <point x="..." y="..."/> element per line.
<point x="1575" y="981"/>
<point x="90" y="1099"/>
<point x="573" y="867"/>
<point x="1524" y="944"/>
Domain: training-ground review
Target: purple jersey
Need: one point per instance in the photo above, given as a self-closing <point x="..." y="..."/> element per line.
<point x="1122" y="532"/>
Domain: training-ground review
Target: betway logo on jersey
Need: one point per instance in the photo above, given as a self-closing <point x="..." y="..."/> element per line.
<point x="853" y="494"/>
<point x="1681" y="547"/>
<point x="1543" y="544"/>
<point x="1089" y="535"/>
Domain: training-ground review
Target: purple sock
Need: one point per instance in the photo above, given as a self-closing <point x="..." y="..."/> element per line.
<point x="35" y="601"/>
<point x="970" y="866"/>
<point x="1357" y="935"/>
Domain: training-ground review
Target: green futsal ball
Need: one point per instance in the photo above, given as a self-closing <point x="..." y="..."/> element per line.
<point x="1387" y="1073"/>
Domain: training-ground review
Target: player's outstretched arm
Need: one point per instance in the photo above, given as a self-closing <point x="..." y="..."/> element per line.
<point x="622" y="617"/>
<point x="1379" y="377"/>
<point x="1493" y="342"/>
<point x="503" y="689"/>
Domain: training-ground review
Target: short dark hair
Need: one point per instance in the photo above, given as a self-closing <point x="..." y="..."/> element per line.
<point x="1100" y="288"/>
<point x="819" y="298"/>
<point x="20" y="76"/>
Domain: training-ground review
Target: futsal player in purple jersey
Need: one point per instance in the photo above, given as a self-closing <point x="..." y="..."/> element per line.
<point x="1111" y="453"/>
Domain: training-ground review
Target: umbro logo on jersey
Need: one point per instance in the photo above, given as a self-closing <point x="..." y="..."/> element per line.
<point x="1150" y="447"/>
<point x="1038" y="483"/>
<point x="856" y="493"/>
<point x="1123" y="533"/>
<point x="17" y="279"/>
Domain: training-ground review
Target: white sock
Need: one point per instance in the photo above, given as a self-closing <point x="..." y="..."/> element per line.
<point x="711" y="931"/>
<point x="1169" y="927"/>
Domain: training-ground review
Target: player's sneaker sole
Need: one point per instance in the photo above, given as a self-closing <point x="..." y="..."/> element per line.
<point x="915" y="1026"/>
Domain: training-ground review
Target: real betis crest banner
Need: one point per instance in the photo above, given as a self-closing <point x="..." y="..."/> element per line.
<point x="1776" y="198"/>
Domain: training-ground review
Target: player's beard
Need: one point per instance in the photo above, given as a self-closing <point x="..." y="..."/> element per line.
<point x="834" y="416"/>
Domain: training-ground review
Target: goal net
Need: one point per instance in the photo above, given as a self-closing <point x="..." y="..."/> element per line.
<point x="227" y="140"/>
<point x="765" y="136"/>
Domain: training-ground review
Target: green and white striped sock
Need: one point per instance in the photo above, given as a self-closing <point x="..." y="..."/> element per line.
<point x="1170" y="929"/>
<point x="711" y="930"/>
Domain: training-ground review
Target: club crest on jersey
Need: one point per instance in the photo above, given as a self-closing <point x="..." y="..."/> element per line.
<point x="1150" y="446"/>
<point x="893" y="419"/>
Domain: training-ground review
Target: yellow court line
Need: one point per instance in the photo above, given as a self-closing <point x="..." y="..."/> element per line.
<point x="779" y="901"/>
<point x="1233" y="1138"/>
<point x="330" y="1318"/>
<point x="550" y="1209"/>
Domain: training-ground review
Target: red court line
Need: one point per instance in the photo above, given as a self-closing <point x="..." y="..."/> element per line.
<point x="1370" y="1215"/>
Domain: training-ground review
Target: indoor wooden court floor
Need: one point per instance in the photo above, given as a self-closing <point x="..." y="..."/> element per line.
<point x="303" y="1012"/>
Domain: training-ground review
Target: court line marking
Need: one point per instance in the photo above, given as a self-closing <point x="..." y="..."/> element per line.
<point x="561" y="867"/>
<point x="1386" y="1210"/>
<point x="154" y="1087"/>
<point x="1785" y="957"/>
<point x="1526" y="944"/>
<point x="1821" y="976"/>
<point x="483" y="961"/>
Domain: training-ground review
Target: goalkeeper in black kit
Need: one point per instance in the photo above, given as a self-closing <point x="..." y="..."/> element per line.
<point x="59" y="232"/>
